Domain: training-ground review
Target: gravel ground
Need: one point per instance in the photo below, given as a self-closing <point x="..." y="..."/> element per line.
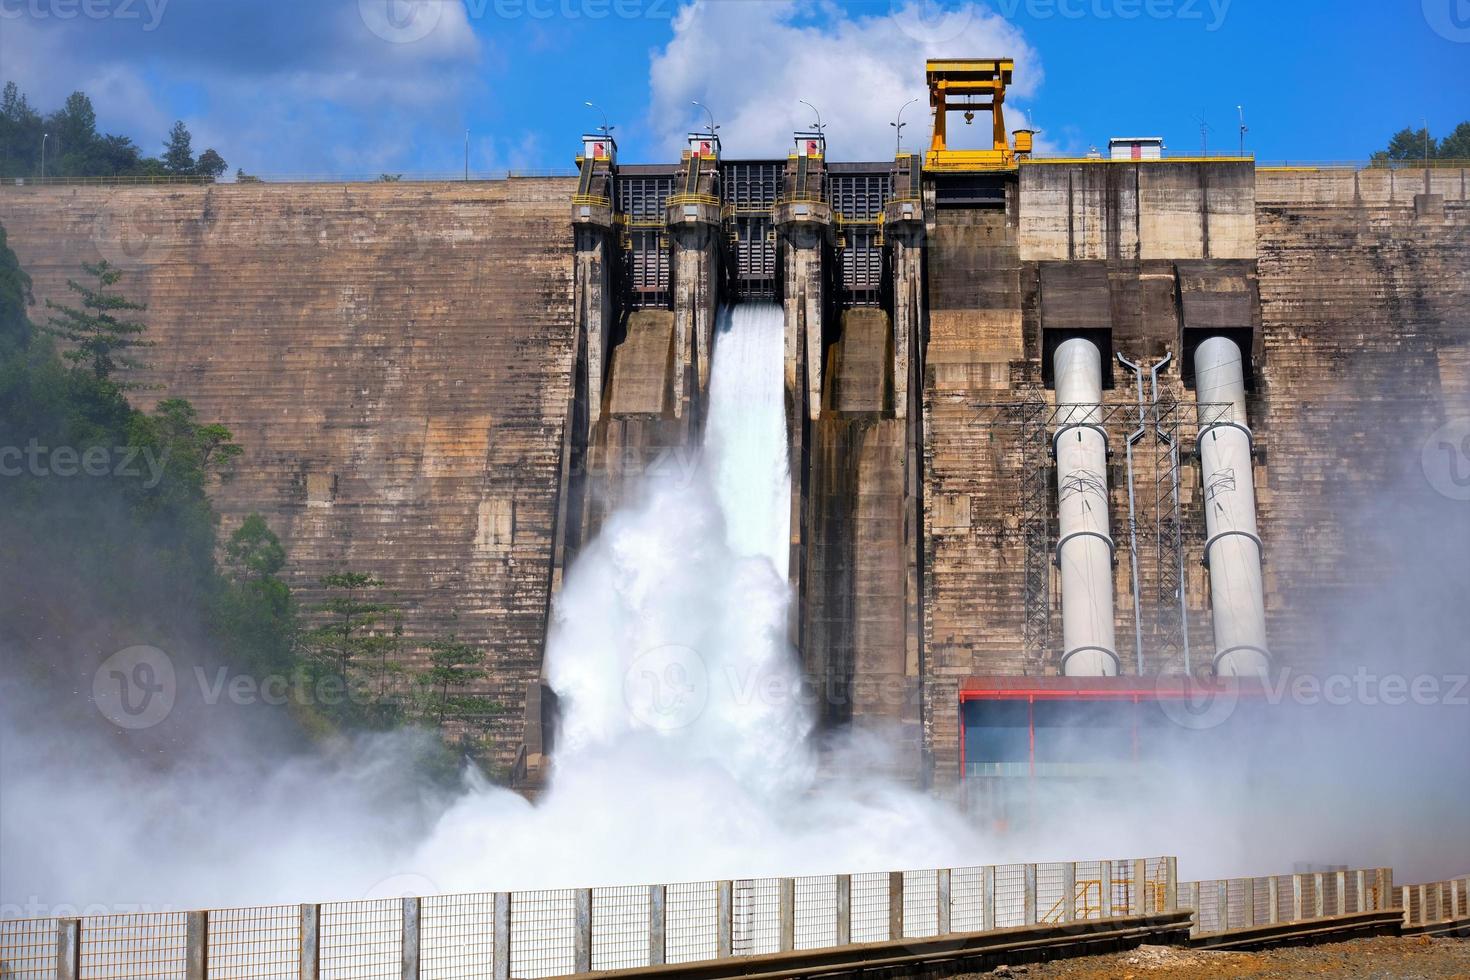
<point x="1385" y="958"/>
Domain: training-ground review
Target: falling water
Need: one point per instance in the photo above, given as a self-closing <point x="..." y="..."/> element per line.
<point x="746" y="438"/>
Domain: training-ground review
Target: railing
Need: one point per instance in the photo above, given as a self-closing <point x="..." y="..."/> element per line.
<point x="561" y="932"/>
<point x="1436" y="902"/>
<point x="708" y="199"/>
<point x="1223" y="904"/>
<point x="256" y="179"/>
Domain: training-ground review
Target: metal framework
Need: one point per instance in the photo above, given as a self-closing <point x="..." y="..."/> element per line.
<point x="751" y="190"/>
<point x="1032" y="419"/>
<point x="857" y="201"/>
<point x="639" y="201"/>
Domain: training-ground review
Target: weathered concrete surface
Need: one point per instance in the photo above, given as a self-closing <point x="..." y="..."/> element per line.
<point x="1166" y="210"/>
<point x="1354" y="290"/>
<point x="856" y="602"/>
<point x="399" y="362"/>
<point x="395" y="359"/>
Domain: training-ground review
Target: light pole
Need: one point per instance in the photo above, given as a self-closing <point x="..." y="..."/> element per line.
<point x="606" y="129"/>
<point x="1241" y="110"/>
<point x="467" y="156"/>
<point x="818" y="112"/>
<point x="898" y="126"/>
<point x="44" y="138"/>
<point x="712" y="126"/>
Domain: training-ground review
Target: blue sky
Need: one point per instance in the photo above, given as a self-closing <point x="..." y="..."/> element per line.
<point x="364" y="86"/>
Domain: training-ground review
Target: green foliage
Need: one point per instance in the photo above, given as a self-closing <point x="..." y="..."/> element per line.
<point x="133" y="555"/>
<point x="178" y="152"/>
<point x="1456" y="146"/>
<point x="74" y="147"/>
<point x="97" y="336"/>
<point x="440" y="696"/>
<point x="211" y="165"/>
<point x="1411" y="145"/>
<point x="256" y="615"/>
<point x="15" y="299"/>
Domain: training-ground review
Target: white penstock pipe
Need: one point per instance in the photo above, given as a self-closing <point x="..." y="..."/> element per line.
<point x="1085" y="546"/>
<point x="1233" y="548"/>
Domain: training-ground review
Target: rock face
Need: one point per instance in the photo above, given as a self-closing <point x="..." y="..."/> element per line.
<point x="400" y="362"/>
<point x="395" y="359"/>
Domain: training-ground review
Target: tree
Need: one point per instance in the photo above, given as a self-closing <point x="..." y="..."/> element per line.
<point x="453" y="664"/>
<point x="211" y="165"/>
<point x="255" y="619"/>
<point x="1456" y="146"/>
<point x="254" y="553"/>
<point x="1408" y="144"/>
<point x="346" y="638"/>
<point x="98" y="336"/>
<point x="1414" y="145"/>
<point x="178" y="152"/>
<point x="199" y="447"/>
<point x="74" y="128"/>
<point x="15" y="299"/>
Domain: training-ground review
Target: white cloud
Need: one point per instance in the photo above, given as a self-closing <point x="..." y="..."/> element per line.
<point x="753" y="62"/>
<point x="276" y="88"/>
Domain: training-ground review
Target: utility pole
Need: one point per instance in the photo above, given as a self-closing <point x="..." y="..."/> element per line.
<point x="898" y="126"/>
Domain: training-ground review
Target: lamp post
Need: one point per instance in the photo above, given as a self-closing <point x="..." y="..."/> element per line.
<point x="818" y="123"/>
<point x="606" y="130"/>
<point x="44" y="138"/>
<point x="1241" y="110"/>
<point x="898" y="126"/>
<point x="712" y="126"/>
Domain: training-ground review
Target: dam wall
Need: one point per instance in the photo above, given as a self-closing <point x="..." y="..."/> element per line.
<point x="395" y="360"/>
<point x="435" y="383"/>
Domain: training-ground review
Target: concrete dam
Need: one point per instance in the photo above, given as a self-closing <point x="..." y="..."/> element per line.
<point x="1062" y="430"/>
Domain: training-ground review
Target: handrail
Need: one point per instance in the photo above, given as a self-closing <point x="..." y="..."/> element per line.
<point x="709" y="199"/>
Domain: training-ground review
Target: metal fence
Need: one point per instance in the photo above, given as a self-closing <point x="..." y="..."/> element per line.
<point x="1436" y="902"/>
<point x="561" y="932"/>
<point x="1223" y="904"/>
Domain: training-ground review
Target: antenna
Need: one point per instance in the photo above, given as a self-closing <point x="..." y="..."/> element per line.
<point x="1204" y="134"/>
<point x="1241" y="110"/>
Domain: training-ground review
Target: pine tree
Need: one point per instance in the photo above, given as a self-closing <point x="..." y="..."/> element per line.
<point x="98" y="337"/>
<point x="178" y="152"/>
<point x="1456" y="146"/>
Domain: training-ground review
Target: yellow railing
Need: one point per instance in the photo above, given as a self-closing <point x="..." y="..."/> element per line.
<point x="595" y="200"/>
<point x="709" y="199"/>
<point x="1086" y="899"/>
